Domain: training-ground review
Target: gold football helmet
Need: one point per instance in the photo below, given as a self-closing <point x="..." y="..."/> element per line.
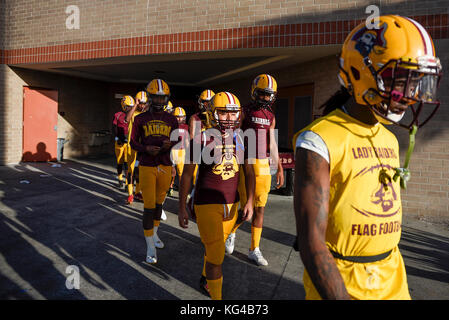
<point x="142" y="101"/>
<point x="141" y="97"/>
<point x="393" y="64"/>
<point x="159" y="93"/>
<point x="264" y="85"/>
<point x="225" y="102"/>
<point x="127" y="103"/>
<point x="204" y="100"/>
<point x="180" y="114"/>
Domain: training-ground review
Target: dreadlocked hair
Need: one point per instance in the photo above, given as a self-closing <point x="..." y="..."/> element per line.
<point x="337" y="100"/>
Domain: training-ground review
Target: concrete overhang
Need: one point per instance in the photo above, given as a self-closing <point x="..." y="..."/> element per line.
<point x="188" y="69"/>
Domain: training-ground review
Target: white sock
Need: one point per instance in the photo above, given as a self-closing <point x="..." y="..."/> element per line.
<point x="151" y="249"/>
<point x="158" y="242"/>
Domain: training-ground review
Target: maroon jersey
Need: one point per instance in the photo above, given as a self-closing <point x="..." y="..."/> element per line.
<point x="151" y="129"/>
<point x="199" y="116"/>
<point x="122" y="125"/>
<point x="217" y="182"/>
<point x="260" y="121"/>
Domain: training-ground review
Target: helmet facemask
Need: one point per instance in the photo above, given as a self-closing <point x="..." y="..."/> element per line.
<point x="403" y="85"/>
<point x="126" y="108"/>
<point x="261" y="102"/>
<point x="204" y="105"/>
<point x="181" y="119"/>
<point x="158" y="101"/>
<point x="141" y="105"/>
<point x="226" y="124"/>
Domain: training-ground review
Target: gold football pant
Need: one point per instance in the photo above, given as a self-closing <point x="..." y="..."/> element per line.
<point x="154" y="183"/>
<point x="120" y="155"/>
<point x="178" y="159"/>
<point x="263" y="185"/>
<point x="215" y="222"/>
<point x="121" y="152"/>
<point x="131" y="158"/>
<point x="195" y="173"/>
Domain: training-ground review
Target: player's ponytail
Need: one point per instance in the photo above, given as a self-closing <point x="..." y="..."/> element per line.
<point x="337" y="100"/>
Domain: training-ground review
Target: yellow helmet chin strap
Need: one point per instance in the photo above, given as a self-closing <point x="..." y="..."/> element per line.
<point x="404" y="172"/>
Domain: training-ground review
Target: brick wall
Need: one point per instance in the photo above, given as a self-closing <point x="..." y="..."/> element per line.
<point x="427" y="194"/>
<point x="277" y="35"/>
<point x="33" y="24"/>
<point x="11" y="117"/>
<point x="85" y="103"/>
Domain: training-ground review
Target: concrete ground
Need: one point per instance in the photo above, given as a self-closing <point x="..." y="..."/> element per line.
<point x="54" y="219"/>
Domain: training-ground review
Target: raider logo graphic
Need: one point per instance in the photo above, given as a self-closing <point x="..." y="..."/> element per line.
<point x="228" y="166"/>
<point x="384" y="196"/>
<point x="368" y="40"/>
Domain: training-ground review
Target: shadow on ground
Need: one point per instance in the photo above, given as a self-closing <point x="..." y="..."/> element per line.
<point x="72" y="213"/>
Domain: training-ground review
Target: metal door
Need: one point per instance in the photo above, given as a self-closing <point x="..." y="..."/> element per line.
<point x="40" y="119"/>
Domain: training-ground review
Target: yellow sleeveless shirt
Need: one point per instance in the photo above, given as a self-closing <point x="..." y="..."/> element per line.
<point x="365" y="211"/>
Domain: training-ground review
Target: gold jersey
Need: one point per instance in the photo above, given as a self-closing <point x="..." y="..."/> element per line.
<point x="365" y="211"/>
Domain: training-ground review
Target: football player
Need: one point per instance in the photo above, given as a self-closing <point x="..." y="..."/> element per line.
<point x="348" y="178"/>
<point x="140" y="106"/>
<point x="216" y="195"/>
<point x="200" y="121"/>
<point x="259" y="117"/>
<point x="178" y="152"/>
<point x="120" y="127"/>
<point x="151" y="136"/>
